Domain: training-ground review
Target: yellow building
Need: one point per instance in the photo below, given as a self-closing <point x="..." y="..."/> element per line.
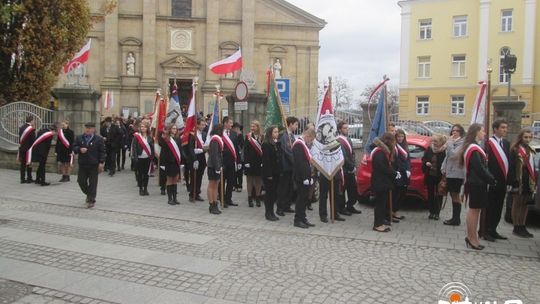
<point x="445" y="49"/>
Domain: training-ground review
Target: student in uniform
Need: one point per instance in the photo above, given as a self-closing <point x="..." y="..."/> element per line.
<point x="39" y="152"/>
<point x="230" y="160"/>
<point x="270" y="170"/>
<point x="253" y="155"/>
<point x="196" y="153"/>
<point x="63" y="149"/>
<point x="143" y="150"/>
<point x="215" y="167"/>
<point x="302" y="176"/>
<point x="403" y="165"/>
<point x="27" y="135"/>
<point x="349" y="169"/>
<point x="170" y="158"/>
<point x="286" y="183"/>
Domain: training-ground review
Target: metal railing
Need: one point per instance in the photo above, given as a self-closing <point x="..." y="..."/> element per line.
<point x="13" y="115"/>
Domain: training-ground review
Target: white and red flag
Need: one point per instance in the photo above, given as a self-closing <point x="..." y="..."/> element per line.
<point x="191" y="120"/>
<point x="479" y="107"/>
<point x="80" y="57"/>
<point x="108" y="103"/>
<point x="228" y="65"/>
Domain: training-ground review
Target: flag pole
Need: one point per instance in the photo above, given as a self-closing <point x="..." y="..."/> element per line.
<point x="332" y="203"/>
<point x="195" y="83"/>
<point x="222" y="196"/>
<point x="482" y="227"/>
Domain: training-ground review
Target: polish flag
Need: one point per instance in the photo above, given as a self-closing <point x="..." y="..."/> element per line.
<point x="191" y="120"/>
<point x="479" y="107"/>
<point x="80" y="57"/>
<point x="228" y="65"/>
<point x="109" y="100"/>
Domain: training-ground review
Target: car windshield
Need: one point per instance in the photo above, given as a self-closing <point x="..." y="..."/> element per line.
<point x="416" y="151"/>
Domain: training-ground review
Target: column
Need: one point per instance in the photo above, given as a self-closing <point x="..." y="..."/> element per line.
<point x="405" y="44"/>
<point x="248" y="33"/>
<point x="528" y="39"/>
<point x="483" y="42"/>
<point x="300" y="91"/>
<point x="149" y="45"/>
<point x="212" y="42"/>
<point x="111" y="56"/>
<point x="313" y="76"/>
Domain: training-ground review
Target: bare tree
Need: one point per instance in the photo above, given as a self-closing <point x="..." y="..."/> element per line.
<point x="393" y="97"/>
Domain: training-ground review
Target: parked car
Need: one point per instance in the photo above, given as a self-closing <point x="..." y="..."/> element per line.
<point x="417" y="127"/>
<point x="536" y="128"/>
<point x="356" y="133"/>
<point x="439" y="126"/>
<point x="417" y="146"/>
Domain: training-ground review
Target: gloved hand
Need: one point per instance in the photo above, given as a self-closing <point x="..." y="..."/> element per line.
<point x="514" y="190"/>
<point x="408" y="174"/>
<point x="246" y="165"/>
<point x="311" y="181"/>
<point x="218" y="171"/>
<point x="196" y="165"/>
<point x="306" y="182"/>
<point x="162" y="168"/>
<point x="398" y="175"/>
<point x="198" y="151"/>
<point x="238" y="167"/>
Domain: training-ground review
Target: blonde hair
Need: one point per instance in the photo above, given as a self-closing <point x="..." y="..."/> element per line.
<point x="258" y="125"/>
<point x="438" y="139"/>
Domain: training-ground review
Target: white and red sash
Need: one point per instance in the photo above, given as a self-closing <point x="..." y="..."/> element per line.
<point x="228" y="142"/>
<point x="175" y="150"/>
<point x="377" y="149"/>
<point x="255" y="145"/>
<point x="529" y="163"/>
<point x="198" y="140"/>
<point x="143" y="142"/>
<point x="468" y="153"/>
<point x="402" y="152"/>
<point x="43" y="137"/>
<point x="299" y="141"/>
<point x="25" y="134"/>
<point x="218" y="140"/>
<point x="498" y="151"/>
<point x="343" y="140"/>
<point x="66" y="143"/>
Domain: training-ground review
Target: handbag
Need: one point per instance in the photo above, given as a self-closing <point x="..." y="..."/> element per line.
<point x="442" y="187"/>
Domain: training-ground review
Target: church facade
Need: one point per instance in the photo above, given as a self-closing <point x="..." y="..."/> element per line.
<point x="145" y="45"/>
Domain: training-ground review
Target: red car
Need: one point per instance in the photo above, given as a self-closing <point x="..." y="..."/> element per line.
<point x="417" y="145"/>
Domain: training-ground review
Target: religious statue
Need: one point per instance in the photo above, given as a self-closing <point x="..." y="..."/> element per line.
<point x="130" y="64"/>
<point x="277" y="69"/>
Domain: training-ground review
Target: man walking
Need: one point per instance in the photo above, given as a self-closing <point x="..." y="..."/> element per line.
<point x="91" y="150"/>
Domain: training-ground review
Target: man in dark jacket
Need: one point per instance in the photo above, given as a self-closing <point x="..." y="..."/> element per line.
<point x="349" y="168"/>
<point x="230" y="160"/>
<point x="27" y="135"/>
<point x="91" y="150"/>
<point x="40" y="152"/>
<point x="285" y="185"/>
<point x="198" y="160"/>
<point x="302" y="176"/>
<point x="113" y="138"/>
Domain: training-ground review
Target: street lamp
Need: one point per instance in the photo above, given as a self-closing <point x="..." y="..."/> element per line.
<point x="509" y="65"/>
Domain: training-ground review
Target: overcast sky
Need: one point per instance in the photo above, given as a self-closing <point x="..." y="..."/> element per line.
<point x="361" y="40"/>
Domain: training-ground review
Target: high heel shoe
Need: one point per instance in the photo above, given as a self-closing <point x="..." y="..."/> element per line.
<point x="469" y="244"/>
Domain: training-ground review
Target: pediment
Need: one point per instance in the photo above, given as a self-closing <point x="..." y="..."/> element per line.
<point x="131" y="41"/>
<point x="281" y="11"/>
<point x="180" y="62"/>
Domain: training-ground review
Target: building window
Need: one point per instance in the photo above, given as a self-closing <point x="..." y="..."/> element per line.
<point x="503" y="77"/>
<point x="506" y="20"/>
<point x="460" y="26"/>
<point x="458" y="65"/>
<point x="424" y="67"/>
<point x="458" y="105"/>
<point x="422" y="105"/>
<point x="425" y="29"/>
<point x="181" y="8"/>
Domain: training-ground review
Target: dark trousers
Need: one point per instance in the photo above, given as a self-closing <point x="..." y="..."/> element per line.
<point x="110" y="163"/>
<point x="324" y="190"/>
<point x="198" y="174"/>
<point x="398" y="195"/>
<point x="270" y="196"/>
<point x="88" y="179"/>
<point x="25" y="169"/>
<point x="143" y="164"/>
<point x="239" y="178"/>
<point x="40" y="173"/>
<point x="188" y="176"/>
<point x="285" y="190"/>
<point x="434" y="199"/>
<point x="381" y="207"/>
<point x="352" y="191"/>
<point x="121" y="158"/>
<point x="229" y="177"/>
<point x="496" y="196"/>
<point x="302" y="193"/>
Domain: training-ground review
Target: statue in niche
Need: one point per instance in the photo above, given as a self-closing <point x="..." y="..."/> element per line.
<point x="130" y="64"/>
<point x="277" y="69"/>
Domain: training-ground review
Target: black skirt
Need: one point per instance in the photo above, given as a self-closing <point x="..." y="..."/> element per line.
<point x="172" y="170"/>
<point x="454" y="184"/>
<point x="478" y="196"/>
<point x="212" y="175"/>
<point x="63" y="158"/>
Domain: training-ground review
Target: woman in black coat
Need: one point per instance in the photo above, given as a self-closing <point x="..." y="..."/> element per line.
<point x="478" y="177"/>
<point x="252" y="163"/>
<point x="431" y="165"/>
<point x="382" y="179"/>
<point x="270" y="170"/>
<point x="64" y="154"/>
<point x="143" y="152"/>
<point x="215" y="167"/>
<point x="403" y="165"/>
<point x="170" y="158"/>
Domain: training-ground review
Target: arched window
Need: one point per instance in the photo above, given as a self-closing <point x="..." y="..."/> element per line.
<point x="181" y="8"/>
<point x="503" y="77"/>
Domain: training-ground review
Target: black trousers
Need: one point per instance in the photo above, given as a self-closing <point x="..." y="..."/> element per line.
<point x="398" y="195"/>
<point x="121" y="158"/>
<point x="270" y="196"/>
<point x="381" y="207"/>
<point x="285" y="191"/>
<point x="352" y="191"/>
<point x="88" y="179"/>
<point x="143" y="164"/>
<point x="324" y="191"/>
<point x="229" y="177"/>
<point x="239" y="178"/>
<point x="25" y="169"/>
<point x="40" y="173"/>
<point x="187" y="176"/>
<point x="302" y="196"/>
<point x="198" y="174"/>
<point x="110" y="163"/>
<point x="434" y="200"/>
<point x="496" y="196"/>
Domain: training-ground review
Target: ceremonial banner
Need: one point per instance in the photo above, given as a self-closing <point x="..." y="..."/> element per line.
<point x="326" y="153"/>
<point x="274" y="110"/>
<point x="174" y="112"/>
<point x="214" y="120"/>
<point x="479" y="107"/>
<point x="79" y="58"/>
<point x="191" y="121"/>
<point x="378" y="125"/>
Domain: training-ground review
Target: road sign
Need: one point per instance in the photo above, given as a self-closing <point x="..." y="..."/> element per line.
<point x="284" y="89"/>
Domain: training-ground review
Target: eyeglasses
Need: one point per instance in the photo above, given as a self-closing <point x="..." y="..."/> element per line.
<point x="455" y="130"/>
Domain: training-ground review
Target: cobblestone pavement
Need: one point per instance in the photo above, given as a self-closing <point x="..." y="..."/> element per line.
<point x="132" y="249"/>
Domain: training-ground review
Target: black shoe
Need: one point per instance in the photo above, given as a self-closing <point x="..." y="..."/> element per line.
<point x="37" y="182"/>
<point x="271" y="218"/>
<point x="386" y="229"/>
<point x="497" y="236"/>
<point x="300" y="225"/>
<point x="354" y="210"/>
<point x="430" y="216"/>
<point x="257" y="202"/>
<point x="198" y="198"/>
<point x="214" y="208"/>
<point x="452" y="222"/>
<point x="387" y="223"/>
<point x="527" y="233"/>
<point x="163" y="192"/>
<point x="309" y="224"/>
<point x="23" y="181"/>
<point x="191" y="199"/>
<point x="469" y="244"/>
<point x="280" y="213"/>
<point x="339" y="218"/>
<point x="309" y="207"/>
<point x="45" y="184"/>
<point x="250" y="204"/>
<point x="231" y="204"/>
<point x="171" y="202"/>
<point x="436" y="217"/>
<point x="289" y="210"/>
<point x="518" y="231"/>
<point x="345" y="212"/>
<point x="141" y="192"/>
<point x="395" y="220"/>
<point x="488" y="237"/>
<point x="324" y="219"/>
<point x="29" y="181"/>
<point x="145" y="192"/>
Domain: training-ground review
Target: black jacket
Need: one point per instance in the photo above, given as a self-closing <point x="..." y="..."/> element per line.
<point x="113" y="136"/>
<point x="518" y="175"/>
<point x="493" y="164"/>
<point x="191" y="146"/>
<point x="271" y="160"/>
<point x="478" y="173"/>
<point x="433" y="174"/>
<point x="29" y="140"/>
<point x="302" y="166"/>
<point x="403" y="164"/>
<point x="286" y="142"/>
<point x="382" y="172"/>
<point x="228" y="158"/>
<point x="41" y="150"/>
<point x="166" y="155"/>
<point x="60" y="149"/>
<point x="215" y="156"/>
<point x="349" y="156"/>
<point x="252" y="158"/>
<point x="96" y="150"/>
<point x="138" y="149"/>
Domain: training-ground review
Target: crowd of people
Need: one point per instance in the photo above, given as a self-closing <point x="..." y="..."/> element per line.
<point x="279" y="172"/>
